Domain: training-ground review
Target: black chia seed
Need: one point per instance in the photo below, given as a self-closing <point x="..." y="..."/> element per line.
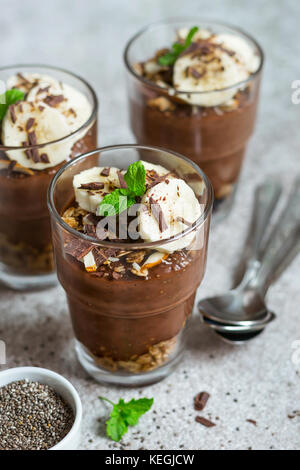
<point x="32" y="416"/>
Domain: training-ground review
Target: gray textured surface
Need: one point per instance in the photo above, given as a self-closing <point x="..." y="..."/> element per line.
<point x="258" y="381"/>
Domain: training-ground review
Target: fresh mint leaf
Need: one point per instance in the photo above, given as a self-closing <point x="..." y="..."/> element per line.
<point x="124" y="415"/>
<point x="135" y="178"/>
<point x="123" y="198"/>
<point x="170" y="57"/>
<point x="10" y="97"/>
<point x="115" y="203"/>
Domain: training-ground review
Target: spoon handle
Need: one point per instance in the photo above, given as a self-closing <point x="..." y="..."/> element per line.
<point x="283" y="244"/>
<point x="265" y="200"/>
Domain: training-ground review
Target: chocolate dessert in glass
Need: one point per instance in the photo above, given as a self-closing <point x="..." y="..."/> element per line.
<point x="193" y="88"/>
<point x="130" y="230"/>
<point x="47" y="117"/>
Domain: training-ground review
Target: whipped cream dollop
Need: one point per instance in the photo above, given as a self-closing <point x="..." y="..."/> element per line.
<point x="213" y="62"/>
<point x="51" y="110"/>
<point x="168" y="207"/>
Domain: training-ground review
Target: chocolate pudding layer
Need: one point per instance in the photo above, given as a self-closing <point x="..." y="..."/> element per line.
<point x="214" y="138"/>
<point x="47" y="122"/>
<point x="126" y="321"/>
<point x="197" y="96"/>
<point x="130" y="306"/>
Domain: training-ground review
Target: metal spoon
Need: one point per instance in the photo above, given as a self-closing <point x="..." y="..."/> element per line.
<point x="235" y="305"/>
<point x="242" y="313"/>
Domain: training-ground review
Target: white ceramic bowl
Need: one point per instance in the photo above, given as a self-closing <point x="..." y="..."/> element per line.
<point x="62" y="386"/>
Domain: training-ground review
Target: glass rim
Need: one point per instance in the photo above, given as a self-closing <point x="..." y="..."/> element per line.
<point x="169" y="21"/>
<point x="204" y="215"/>
<point x="86" y="124"/>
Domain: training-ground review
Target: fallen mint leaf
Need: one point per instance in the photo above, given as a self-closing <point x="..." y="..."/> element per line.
<point x="124" y="415"/>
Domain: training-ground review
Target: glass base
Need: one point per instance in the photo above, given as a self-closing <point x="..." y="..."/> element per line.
<point x="222" y="207"/>
<point x="22" y="282"/>
<point x="125" y="379"/>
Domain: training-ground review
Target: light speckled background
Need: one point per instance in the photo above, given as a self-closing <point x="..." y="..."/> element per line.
<point x="257" y="381"/>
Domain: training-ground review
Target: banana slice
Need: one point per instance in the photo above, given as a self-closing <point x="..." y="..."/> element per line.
<point x="26" y="81"/>
<point x="70" y="102"/>
<point x="30" y="123"/>
<point x="166" y="210"/>
<point x="245" y="53"/>
<point x="160" y="170"/>
<point x="89" y="196"/>
<point x="216" y="69"/>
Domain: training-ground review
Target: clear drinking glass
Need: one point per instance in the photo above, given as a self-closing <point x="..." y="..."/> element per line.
<point x="26" y="255"/>
<point x="131" y="330"/>
<point x="214" y="137"/>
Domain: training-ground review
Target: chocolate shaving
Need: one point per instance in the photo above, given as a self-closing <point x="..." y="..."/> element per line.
<point x="105" y="172"/>
<point x="45" y="158"/>
<point x="12" y="113"/>
<point x="42" y="90"/>
<point x="159" y="179"/>
<point x="200" y="401"/>
<point x="158" y="215"/>
<point x="194" y="73"/>
<point x="19" y="75"/>
<point x="93" y="186"/>
<point x="29" y="123"/>
<point x="90" y="230"/>
<point x="78" y="248"/>
<point x="205" y="422"/>
<point x="185" y="222"/>
<point x="122" y="182"/>
<point x="41" y="108"/>
<point x="53" y="100"/>
<point x="33" y="152"/>
<point x="99" y="256"/>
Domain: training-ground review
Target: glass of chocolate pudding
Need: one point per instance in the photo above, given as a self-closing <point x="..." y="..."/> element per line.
<point x="193" y="88"/>
<point x="130" y="229"/>
<point x="47" y="117"/>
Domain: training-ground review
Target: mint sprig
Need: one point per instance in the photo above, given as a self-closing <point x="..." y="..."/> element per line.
<point x="124" y="415"/>
<point x="9" y="97"/>
<point x="170" y="57"/>
<point x="122" y="198"/>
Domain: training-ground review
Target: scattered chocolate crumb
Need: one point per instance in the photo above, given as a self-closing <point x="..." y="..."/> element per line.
<point x="200" y="400"/>
<point x="41" y="108"/>
<point x="252" y="421"/>
<point x="205" y="422"/>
